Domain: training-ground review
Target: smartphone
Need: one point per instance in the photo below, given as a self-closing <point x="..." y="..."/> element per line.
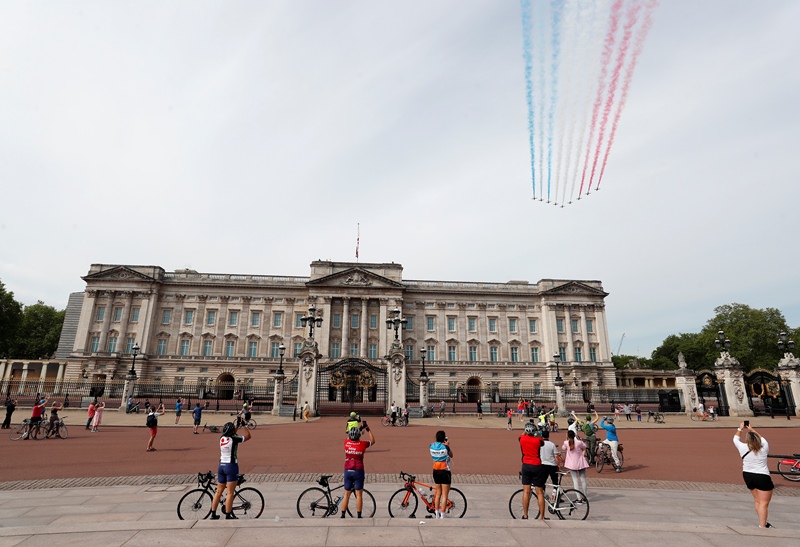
<point x="747" y="423"/>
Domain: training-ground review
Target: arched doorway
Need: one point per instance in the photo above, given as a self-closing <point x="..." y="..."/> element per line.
<point x="474" y="389"/>
<point x="225" y="385"/>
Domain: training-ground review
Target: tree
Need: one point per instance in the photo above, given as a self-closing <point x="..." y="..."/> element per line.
<point x="10" y="319"/>
<point x="666" y="355"/>
<point x="39" y="332"/>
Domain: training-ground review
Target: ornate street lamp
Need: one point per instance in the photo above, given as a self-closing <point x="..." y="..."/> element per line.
<point x="722" y="343"/>
<point x="423" y="353"/>
<point x="281" y="352"/>
<point x="784" y="344"/>
<point x="311" y="319"/>
<point x="557" y="359"/>
<point x="396" y="322"/>
<point x="132" y="372"/>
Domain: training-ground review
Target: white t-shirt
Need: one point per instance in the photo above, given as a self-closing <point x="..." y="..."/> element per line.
<point x="548" y="453"/>
<point x="753" y="462"/>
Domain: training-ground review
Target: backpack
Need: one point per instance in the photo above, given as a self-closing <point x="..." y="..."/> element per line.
<point x="152" y="420"/>
<point x="588" y="430"/>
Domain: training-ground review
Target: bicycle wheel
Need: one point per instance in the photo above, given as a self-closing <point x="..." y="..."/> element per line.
<point x="386" y="421"/>
<point x="789" y="469"/>
<point x="62" y="432"/>
<point x="515" y="504"/>
<point x="695" y="416"/>
<point x="403" y="503"/>
<point x="456" y="503"/>
<point x="600" y="459"/>
<point x="314" y="502"/>
<point x="18" y="432"/>
<point x="248" y="503"/>
<point x="572" y="505"/>
<point x="37" y="432"/>
<point x="251" y="424"/>
<point x="195" y="505"/>
<point x="367" y="505"/>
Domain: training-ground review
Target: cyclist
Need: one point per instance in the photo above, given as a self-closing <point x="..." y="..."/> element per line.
<point x="441" y="454"/>
<point x="36" y="414"/>
<point x="590" y="429"/>
<point x="393" y="410"/>
<point x="353" y="421"/>
<point x="354" y="449"/>
<point x="531" y="473"/>
<point x="54" y="420"/>
<point x="611" y="440"/>
<point x="228" y="469"/>
<point x="246" y="408"/>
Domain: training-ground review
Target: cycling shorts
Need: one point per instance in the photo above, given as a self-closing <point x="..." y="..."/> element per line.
<point x="442" y="476"/>
<point x="533" y="475"/>
<point x="353" y="479"/>
<point x="227" y="472"/>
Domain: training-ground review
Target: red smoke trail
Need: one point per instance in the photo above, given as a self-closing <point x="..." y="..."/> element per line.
<point x="638" y="46"/>
<point x="608" y="48"/>
<point x="633" y="14"/>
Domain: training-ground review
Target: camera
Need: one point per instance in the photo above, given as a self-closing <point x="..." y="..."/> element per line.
<point x="446" y="440"/>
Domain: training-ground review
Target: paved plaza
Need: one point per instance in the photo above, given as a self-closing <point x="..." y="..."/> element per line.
<point x="141" y="510"/>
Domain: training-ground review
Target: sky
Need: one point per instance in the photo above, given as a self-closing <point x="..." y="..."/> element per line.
<point x="253" y="137"/>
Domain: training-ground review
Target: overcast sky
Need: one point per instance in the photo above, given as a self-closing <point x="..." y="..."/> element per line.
<point x="251" y="137"/>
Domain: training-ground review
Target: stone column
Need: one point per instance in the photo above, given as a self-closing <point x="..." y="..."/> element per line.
<point x="23" y="378"/>
<point x="324" y="337"/>
<point x="603" y="352"/>
<point x="307" y="379"/>
<point x="345" y="328"/>
<point x="59" y="377"/>
<point x="3" y="365"/>
<point x="560" y="397"/>
<point x="423" y="393"/>
<point x="106" y="322"/>
<point x="277" y="400"/>
<point x="789" y="371"/>
<point x="687" y="388"/>
<point x="362" y="350"/>
<point x="730" y="372"/>
<point x="123" y="324"/>
<point x="383" y="345"/>
<point x="396" y="371"/>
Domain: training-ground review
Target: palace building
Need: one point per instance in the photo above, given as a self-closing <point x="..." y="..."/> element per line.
<point x="477" y="338"/>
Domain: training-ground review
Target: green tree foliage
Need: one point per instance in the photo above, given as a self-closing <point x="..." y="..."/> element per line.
<point x="10" y="319"/>
<point x="39" y="332"/>
<point x="753" y="334"/>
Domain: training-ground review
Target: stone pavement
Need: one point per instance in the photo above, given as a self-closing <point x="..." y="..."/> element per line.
<point x="146" y="515"/>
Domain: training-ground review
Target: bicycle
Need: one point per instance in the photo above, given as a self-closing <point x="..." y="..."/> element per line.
<point x="211" y="428"/>
<point x="240" y="421"/>
<point x="603" y="456"/>
<point x="26" y="430"/>
<point x="60" y="432"/>
<point x="658" y="417"/>
<point x="568" y="503"/>
<point x="248" y="503"/>
<point x="405" y="501"/>
<point x="789" y="467"/>
<point x="702" y="416"/>
<point x="400" y="421"/>
<point x="316" y="502"/>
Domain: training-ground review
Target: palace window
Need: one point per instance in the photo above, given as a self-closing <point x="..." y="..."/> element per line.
<point x="161" y="348"/>
<point x="252" y="349"/>
<point x="188" y="317"/>
<point x="129" y="344"/>
<point x="512" y="325"/>
<point x="230" y="347"/>
<point x="593" y="354"/>
<point x="336" y="352"/>
<point x="233" y="318"/>
<point x="514" y="354"/>
<point x="409" y="350"/>
<point x="135" y="315"/>
<point x="373" y="351"/>
<point x="112" y="344"/>
<point x="277" y="320"/>
<point x="337" y="321"/>
<point x="493" y="354"/>
<point x="451" y="353"/>
<point x="354" y="349"/>
<point x="472" y="324"/>
<point x="562" y="353"/>
<point x="473" y="353"/>
<point x="431" y="353"/>
<point x="431" y="323"/>
<point x="274" y="350"/>
<point x="117" y="315"/>
<point x="492" y="324"/>
<point x="166" y="316"/>
<point x="578" y="354"/>
<point x="211" y="318"/>
<point x="207" y="346"/>
<point x="354" y="319"/>
<point x="535" y="354"/>
<point x="560" y="325"/>
<point x="532" y="326"/>
<point x="298" y="320"/>
<point x="298" y="346"/>
<point x="184" y="347"/>
<point x="576" y="327"/>
<point x="451" y="324"/>
<point x="410" y="324"/>
<point x="373" y="321"/>
<point x="255" y="319"/>
<point x="101" y="313"/>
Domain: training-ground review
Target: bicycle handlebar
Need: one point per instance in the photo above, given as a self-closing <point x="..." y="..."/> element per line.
<point x="407" y="476"/>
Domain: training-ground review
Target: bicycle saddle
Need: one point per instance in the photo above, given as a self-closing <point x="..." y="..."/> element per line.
<point x="323" y="480"/>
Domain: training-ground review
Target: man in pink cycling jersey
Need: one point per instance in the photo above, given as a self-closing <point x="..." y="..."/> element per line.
<point x="354" y="449"/>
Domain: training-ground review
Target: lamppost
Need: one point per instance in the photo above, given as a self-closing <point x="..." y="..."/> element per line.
<point x="280" y="377"/>
<point x="557" y="359"/>
<point x="396" y="322"/>
<point x="423" y="383"/>
<point x="311" y="319"/>
<point x="722" y="343"/>
<point x="423" y="353"/>
<point x="132" y="372"/>
<point x="784" y="344"/>
<point x="281" y="353"/>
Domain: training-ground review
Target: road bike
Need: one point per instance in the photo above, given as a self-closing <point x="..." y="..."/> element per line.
<point x="658" y="417"/>
<point x="240" y="421"/>
<point x="248" y="503"/>
<point x="60" y="429"/>
<point x="566" y="504"/>
<point x="603" y="456"/>
<point x="789" y="466"/>
<point x="400" y="421"/>
<point x="211" y="428"/>
<point x="27" y="430"/>
<point x="318" y="503"/>
<point x="405" y="501"/>
<point x="703" y="416"/>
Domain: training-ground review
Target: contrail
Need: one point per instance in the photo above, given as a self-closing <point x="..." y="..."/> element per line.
<point x="555" y="52"/>
<point x="637" y="50"/>
<point x="525" y="5"/>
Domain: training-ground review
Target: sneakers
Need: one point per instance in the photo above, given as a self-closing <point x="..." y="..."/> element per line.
<point x="214" y="516"/>
<point x="767" y="526"/>
<point x="619" y="470"/>
<point x="230" y="516"/>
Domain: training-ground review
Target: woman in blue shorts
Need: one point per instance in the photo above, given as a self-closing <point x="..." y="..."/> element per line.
<point x="228" y="470"/>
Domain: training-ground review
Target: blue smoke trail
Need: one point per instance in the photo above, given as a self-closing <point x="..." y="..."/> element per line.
<point x="558" y="8"/>
<point x="527" y="55"/>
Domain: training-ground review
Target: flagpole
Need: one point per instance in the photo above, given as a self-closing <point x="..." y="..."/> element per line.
<point x="358" y="239"/>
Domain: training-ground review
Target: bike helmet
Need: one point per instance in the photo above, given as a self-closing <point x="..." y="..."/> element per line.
<point x="354" y="434"/>
<point x="609" y="420"/>
<point x="353" y="415"/>
<point x="228" y="429"/>
<point x="530" y="428"/>
<point x="570" y="421"/>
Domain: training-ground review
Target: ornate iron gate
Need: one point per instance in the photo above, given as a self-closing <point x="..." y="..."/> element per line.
<point x="352" y="385"/>
<point x="767" y="395"/>
<point x="711" y="392"/>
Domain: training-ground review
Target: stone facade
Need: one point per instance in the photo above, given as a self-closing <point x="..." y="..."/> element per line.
<point x="192" y="326"/>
